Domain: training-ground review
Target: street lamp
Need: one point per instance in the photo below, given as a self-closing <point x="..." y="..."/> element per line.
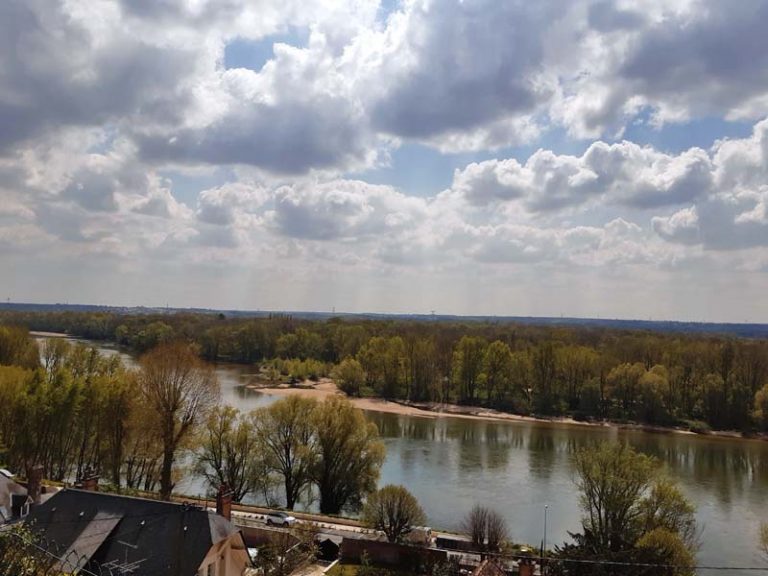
<point x="544" y="542"/>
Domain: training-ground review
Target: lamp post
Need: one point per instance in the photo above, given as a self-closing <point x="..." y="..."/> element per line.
<point x="544" y="542"/>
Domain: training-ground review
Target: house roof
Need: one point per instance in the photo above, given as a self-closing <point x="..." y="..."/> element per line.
<point x="488" y="567"/>
<point x="164" y="538"/>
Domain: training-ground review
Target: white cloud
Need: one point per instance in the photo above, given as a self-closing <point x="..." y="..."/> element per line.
<point x="624" y="173"/>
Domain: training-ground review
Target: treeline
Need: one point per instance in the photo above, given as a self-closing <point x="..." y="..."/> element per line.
<point x="75" y="412"/>
<point x="70" y="409"/>
<point x="589" y="373"/>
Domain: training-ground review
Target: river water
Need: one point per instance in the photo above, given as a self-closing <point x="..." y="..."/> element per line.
<point x="518" y="468"/>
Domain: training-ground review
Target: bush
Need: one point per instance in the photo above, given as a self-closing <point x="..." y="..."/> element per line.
<point x="698" y="427"/>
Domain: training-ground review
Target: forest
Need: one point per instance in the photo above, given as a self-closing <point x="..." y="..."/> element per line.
<point x="696" y="381"/>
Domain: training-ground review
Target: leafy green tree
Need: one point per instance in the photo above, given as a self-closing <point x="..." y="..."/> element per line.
<point x="393" y="510"/>
<point x="760" y="412"/>
<point x="23" y="553"/>
<point x="287" y="436"/>
<point x="468" y="366"/>
<point x="623" y="383"/>
<point x="181" y="391"/>
<point x="349" y="455"/>
<point x="632" y="514"/>
<point x="421" y="368"/>
<point x="17" y="348"/>
<point x="544" y="372"/>
<point x="350" y="376"/>
<point x="497" y="367"/>
<point x="230" y="452"/>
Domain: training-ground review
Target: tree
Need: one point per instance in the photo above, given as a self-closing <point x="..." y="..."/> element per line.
<point x="393" y="510"/>
<point x="17" y="348"/>
<point x="285" y="432"/>
<point x="612" y="480"/>
<point x="350" y="376"/>
<point x="497" y="367"/>
<point x="181" y="391"/>
<point x="760" y="413"/>
<point x="468" y="366"/>
<point x="764" y="538"/>
<point x="349" y="455"/>
<point x="23" y="553"/>
<point x="486" y="528"/>
<point x="631" y="515"/>
<point x="230" y="452"/>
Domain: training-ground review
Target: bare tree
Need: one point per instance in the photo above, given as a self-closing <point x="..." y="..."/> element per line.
<point x="475" y="524"/>
<point x="496" y="531"/>
<point x="181" y="390"/>
<point x="486" y="527"/>
<point x="393" y="510"/>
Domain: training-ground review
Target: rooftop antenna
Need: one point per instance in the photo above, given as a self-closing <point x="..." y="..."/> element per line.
<point x="126" y="568"/>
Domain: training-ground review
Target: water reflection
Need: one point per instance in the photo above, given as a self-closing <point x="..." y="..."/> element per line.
<point x="450" y="463"/>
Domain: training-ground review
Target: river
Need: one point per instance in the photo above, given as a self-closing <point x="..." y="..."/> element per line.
<point x="517" y="468"/>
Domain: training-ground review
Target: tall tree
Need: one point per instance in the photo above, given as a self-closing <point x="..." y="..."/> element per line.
<point x="632" y="515"/>
<point x="230" y="452"/>
<point x="486" y="528"/>
<point x="393" y="510"/>
<point x="468" y="366"/>
<point x="349" y="455"/>
<point x="181" y="390"/>
<point x="285" y="431"/>
<point x="497" y="366"/>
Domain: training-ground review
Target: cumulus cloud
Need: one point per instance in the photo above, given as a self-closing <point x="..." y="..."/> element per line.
<point x="100" y="98"/>
<point x="343" y="210"/>
<point x="677" y="60"/>
<point x="622" y="173"/>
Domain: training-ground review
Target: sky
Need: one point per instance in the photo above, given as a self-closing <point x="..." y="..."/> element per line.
<point x="584" y="158"/>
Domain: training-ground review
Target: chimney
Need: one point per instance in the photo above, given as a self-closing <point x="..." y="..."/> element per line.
<point x="90" y="480"/>
<point x="34" y="483"/>
<point x="224" y="502"/>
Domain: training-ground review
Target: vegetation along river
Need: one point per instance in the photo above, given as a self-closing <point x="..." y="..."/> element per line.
<point x="519" y="467"/>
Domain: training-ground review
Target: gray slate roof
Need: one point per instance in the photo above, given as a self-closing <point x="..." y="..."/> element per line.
<point x="166" y="539"/>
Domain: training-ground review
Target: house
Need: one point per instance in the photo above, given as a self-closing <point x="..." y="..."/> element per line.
<point x="489" y="567"/>
<point x="17" y="497"/>
<point x="94" y="530"/>
<point x="13" y="497"/>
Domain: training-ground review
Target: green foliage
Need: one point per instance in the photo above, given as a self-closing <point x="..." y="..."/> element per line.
<point x="468" y="359"/>
<point x="764" y="538"/>
<point x="631" y="514"/>
<point x="67" y="416"/>
<point x="23" y="554"/>
<point x="17" y="348"/>
<point x="393" y="510"/>
<point x="585" y="372"/>
<point x="287" y="441"/>
<point x="180" y="391"/>
<point x="349" y="455"/>
<point x="230" y="453"/>
<point x="350" y="376"/>
<point x="760" y="413"/>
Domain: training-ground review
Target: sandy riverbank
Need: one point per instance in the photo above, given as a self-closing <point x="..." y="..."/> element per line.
<point x="326" y="387"/>
<point x="38" y="334"/>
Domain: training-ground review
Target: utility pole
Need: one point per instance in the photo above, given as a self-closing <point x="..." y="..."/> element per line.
<point x="544" y="543"/>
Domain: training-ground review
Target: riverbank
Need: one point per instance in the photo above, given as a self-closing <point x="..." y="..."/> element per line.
<point x="326" y="387"/>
